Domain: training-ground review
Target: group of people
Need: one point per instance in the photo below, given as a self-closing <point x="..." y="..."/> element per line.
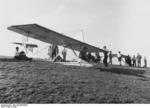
<point x="87" y="56"/>
<point x="53" y="53"/>
<point x="134" y="61"/>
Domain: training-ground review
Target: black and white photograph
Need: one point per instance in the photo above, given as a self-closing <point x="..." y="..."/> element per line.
<point x="74" y="52"/>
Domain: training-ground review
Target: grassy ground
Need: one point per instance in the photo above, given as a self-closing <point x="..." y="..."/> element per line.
<point x="44" y="82"/>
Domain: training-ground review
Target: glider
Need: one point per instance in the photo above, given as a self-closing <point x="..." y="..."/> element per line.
<point x="52" y="37"/>
<point x="46" y="35"/>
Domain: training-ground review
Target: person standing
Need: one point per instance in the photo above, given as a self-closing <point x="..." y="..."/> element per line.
<point x="55" y="51"/>
<point x="129" y="60"/>
<point x="17" y="52"/>
<point x="64" y="53"/>
<point x="139" y="57"/>
<point x="110" y="57"/>
<point x="134" y="61"/>
<point x="119" y="57"/>
<point x="50" y="52"/>
<point x="105" y="56"/>
<point x="145" y="62"/>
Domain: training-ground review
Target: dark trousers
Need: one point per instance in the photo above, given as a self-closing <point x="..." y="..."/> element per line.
<point x="105" y="62"/>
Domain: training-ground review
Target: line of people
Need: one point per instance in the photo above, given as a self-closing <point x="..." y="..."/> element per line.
<point x="134" y="61"/>
<point x="84" y="54"/>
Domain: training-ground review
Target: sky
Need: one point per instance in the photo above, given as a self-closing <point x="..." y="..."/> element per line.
<point x="121" y="25"/>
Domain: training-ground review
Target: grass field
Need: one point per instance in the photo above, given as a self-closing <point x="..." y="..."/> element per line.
<point x="45" y="82"/>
